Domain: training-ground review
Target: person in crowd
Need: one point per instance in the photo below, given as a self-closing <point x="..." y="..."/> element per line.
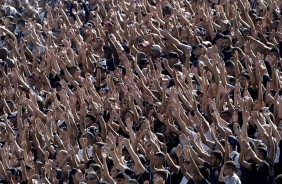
<point x="141" y="92"/>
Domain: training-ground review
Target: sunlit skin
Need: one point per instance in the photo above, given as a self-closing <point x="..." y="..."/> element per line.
<point x="97" y="91"/>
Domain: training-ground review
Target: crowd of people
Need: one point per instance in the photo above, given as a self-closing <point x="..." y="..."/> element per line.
<point x="141" y="92"/>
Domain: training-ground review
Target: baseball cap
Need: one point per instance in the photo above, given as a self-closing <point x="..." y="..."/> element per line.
<point x="157" y="48"/>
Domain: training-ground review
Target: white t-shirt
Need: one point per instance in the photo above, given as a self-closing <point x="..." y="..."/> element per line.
<point x="234" y="179"/>
<point x="80" y="153"/>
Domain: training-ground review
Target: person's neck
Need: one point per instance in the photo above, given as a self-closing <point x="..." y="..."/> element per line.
<point x="231" y="174"/>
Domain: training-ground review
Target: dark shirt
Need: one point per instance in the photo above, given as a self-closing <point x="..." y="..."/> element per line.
<point x="111" y="64"/>
<point x="204" y="181"/>
<point x="174" y="178"/>
<point x="141" y="178"/>
<point x="261" y="172"/>
<point x="226" y="54"/>
<point x="246" y="175"/>
<point x="214" y="173"/>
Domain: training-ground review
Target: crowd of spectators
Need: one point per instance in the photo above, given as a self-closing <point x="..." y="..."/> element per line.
<point x="141" y="91"/>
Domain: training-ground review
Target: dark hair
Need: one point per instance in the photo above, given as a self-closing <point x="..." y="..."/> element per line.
<point x="162" y="173"/>
<point x="97" y="168"/>
<point x="227" y="37"/>
<point x="91" y="116"/>
<point x="230" y="165"/>
<point x="73" y="69"/>
<point x="71" y="174"/>
<point x="217" y="154"/>
<point x="59" y="175"/>
<point x="278" y="179"/>
<point x="178" y="67"/>
<point x="240" y="117"/>
<point x="263" y="151"/>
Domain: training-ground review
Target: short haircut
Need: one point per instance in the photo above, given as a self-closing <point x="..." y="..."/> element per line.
<point x="178" y="67"/>
<point x="263" y="151"/>
<point x="227" y="37"/>
<point x="91" y="116"/>
<point x="73" y="69"/>
<point x="162" y="173"/>
<point x="230" y="165"/>
<point x="217" y="154"/>
<point x="278" y="179"/>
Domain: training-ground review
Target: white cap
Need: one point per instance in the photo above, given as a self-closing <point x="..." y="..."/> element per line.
<point x="157" y="47"/>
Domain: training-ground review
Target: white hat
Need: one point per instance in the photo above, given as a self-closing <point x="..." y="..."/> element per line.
<point x="157" y="47"/>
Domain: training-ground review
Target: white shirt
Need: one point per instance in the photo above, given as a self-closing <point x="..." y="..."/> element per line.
<point x="80" y="153"/>
<point x="184" y="180"/>
<point x="234" y="155"/>
<point x="232" y="179"/>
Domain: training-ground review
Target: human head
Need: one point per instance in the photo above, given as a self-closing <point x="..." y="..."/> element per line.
<point x="89" y="136"/>
<point x="200" y="50"/>
<point x="226" y="115"/>
<point x="226" y="42"/>
<point x="216" y="158"/>
<point x="75" y="72"/>
<point x="261" y="152"/>
<point x="156" y="51"/>
<point x="61" y="155"/>
<point x="244" y="78"/>
<point x="278" y="179"/>
<point x="158" y="159"/>
<point x="89" y="120"/>
<point x="3" y="53"/>
<point x="57" y="173"/>
<point x="160" y="176"/>
<point x="229" y="167"/>
<point x="238" y="117"/>
<point x="173" y="58"/>
<point x="91" y="178"/>
<point x="120" y="179"/>
<point x="229" y="65"/>
<point x="75" y="176"/>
